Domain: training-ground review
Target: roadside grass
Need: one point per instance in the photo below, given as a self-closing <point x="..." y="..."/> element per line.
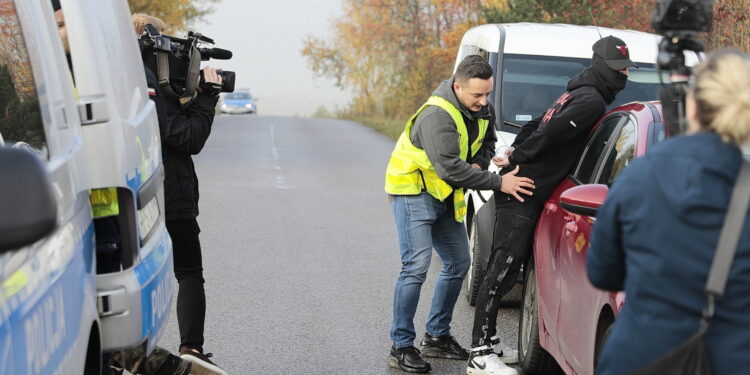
<point x="391" y="128"/>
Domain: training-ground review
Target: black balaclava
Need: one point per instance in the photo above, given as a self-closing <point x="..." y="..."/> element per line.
<point x="612" y="79"/>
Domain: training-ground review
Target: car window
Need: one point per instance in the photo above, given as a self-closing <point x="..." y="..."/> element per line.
<point x="596" y="146"/>
<point x="620" y="155"/>
<point x="20" y="115"/>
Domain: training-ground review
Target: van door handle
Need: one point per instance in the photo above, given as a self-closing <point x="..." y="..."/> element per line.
<point x="93" y="109"/>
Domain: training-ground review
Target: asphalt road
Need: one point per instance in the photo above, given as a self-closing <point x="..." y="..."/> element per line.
<point x="300" y="251"/>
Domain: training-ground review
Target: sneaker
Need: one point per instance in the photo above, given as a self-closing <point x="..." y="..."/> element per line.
<point x="507" y="354"/>
<point x="408" y="359"/>
<point x="484" y="361"/>
<point x="202" y="365"/>
<point x="443" y="347"/>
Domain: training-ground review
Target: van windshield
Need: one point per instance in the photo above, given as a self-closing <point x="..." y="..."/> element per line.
<point x="532" y="83"/>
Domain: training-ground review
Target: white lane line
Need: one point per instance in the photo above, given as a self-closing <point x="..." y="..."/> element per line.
<point x="280" y="181"/>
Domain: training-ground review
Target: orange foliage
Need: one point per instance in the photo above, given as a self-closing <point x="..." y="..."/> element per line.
<point x="392" y="53"/>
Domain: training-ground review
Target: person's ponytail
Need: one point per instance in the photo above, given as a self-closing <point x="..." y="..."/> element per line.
<point x="722" y="94"/>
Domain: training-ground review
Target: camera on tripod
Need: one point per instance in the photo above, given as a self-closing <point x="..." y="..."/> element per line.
<point x="176" y="61"/>
<point x="678" y="21"/>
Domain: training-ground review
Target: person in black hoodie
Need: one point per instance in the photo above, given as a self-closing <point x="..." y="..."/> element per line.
<point x="546" y="150"/>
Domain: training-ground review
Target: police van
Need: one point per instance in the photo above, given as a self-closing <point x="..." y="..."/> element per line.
<point x="85" y="258"/>
<point x="532" y="65"/>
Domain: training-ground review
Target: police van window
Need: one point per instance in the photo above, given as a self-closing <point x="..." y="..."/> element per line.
<point x="20" y="115"/>
<point x="620" y="155"/>
<point x="594" y="149"/>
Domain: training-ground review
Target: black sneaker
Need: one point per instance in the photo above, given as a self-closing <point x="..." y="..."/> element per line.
<point x="408" y="359"/>
<point x="201" y="364"/>
<point x="443" y="347"/>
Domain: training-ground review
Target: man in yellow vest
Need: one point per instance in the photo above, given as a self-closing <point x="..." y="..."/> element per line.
<point x="446" y="148"/>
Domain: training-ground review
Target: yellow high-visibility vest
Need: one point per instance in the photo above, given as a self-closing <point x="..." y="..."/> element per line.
<point x="410" y="171"/>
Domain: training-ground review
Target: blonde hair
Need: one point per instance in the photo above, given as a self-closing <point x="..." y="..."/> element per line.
<point x="722" y="95"/>
<point x="140" y="21"/>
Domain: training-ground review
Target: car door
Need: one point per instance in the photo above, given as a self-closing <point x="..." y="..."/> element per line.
<point x="581" y="303"/>
<point x="550" y="233"/>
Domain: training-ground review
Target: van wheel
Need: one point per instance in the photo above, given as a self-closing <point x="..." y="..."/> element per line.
<point x="473" y="279"/>
<point x="533" y="359"/>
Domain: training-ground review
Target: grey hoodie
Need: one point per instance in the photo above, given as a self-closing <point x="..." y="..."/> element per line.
<point x="435" y="132"/>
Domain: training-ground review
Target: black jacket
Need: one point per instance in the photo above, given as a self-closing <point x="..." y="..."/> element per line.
<point x="184" y="130"/>
<point x="435" y="132"/>
<point x="548" y="146"/>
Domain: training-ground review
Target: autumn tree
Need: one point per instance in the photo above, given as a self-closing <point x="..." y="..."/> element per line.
<point x="730" y="26"/>
<point x="178" y="14"/>
<point x="391" y="53"/>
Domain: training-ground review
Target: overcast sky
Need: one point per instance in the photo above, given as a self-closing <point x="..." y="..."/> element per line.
<point x="266" y="38"/>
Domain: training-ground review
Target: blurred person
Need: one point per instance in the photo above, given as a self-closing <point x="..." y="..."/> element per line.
<point x="446" y="147"/>
<point x="546" y="149"/>
<point x="184" y="129"/>
<point x="656" y="234"/>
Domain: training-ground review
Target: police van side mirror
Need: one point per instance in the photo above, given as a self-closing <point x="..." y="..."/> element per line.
<point x="28" y="211"/>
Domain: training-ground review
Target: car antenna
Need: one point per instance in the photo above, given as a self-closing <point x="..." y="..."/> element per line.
<point x="595" y="25"/>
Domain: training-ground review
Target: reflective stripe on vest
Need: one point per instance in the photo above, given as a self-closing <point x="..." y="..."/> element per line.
<point x="410" y="171"/>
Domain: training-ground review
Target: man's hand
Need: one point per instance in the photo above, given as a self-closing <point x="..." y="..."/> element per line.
<point x="511" y="184"/>
<point x="211" y="84"/>
<point x="502" y="161"/>
<point x="211" y="75"/>
<point x="475" y="165"/>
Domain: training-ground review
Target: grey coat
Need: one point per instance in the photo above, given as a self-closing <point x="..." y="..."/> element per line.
<point x="435" y="132"/>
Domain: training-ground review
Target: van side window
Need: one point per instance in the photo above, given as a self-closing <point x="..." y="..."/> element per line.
<point x="20" y="115"/>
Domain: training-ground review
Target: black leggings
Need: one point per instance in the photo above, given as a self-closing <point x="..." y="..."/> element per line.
<point x="188" y="269"/>
<point x="511" y="247"/>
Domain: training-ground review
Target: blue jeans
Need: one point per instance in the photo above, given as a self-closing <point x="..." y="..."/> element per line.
<point x="423" y="222"/>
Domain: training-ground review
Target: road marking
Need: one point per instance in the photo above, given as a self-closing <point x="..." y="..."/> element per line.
<point x="280" y="181"/>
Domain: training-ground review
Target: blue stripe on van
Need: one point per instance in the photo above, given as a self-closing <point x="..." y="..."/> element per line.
<point x="45" y="327"/>
<point x="155" y="276"/>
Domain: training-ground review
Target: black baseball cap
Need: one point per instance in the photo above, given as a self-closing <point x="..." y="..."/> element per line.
<point x="614" y="52"/>
<point x="56" y="5"/>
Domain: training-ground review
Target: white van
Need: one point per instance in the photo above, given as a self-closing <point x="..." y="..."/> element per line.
<point x="532" y="64"/>
<point x="94" y="131"/>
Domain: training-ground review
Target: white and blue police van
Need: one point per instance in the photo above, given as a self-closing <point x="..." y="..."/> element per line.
<point x="85" y="258"/>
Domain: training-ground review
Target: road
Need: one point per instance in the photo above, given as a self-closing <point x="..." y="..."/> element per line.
<point x="300" y="251"/>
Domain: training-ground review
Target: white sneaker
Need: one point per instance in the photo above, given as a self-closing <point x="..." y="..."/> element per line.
<point x="484" y="361"/>
<point x="507" y="354"/>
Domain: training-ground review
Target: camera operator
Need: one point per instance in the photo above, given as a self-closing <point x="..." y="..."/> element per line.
<point x="184" y="130"/>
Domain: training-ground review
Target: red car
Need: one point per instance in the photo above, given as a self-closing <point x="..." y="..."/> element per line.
<point x="564" y="319"/>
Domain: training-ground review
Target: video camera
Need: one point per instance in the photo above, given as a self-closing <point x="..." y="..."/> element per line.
<point x="176" y="61"/>
<point x="678" y="21"/>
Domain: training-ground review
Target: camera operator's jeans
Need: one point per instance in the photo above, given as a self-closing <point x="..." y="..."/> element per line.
<point x="188" y="269"/>
<point x="511" y="247"/>
<point x="423" y="222"/>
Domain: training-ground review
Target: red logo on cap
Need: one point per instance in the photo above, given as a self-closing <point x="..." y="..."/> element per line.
<point x="623" y="50"/>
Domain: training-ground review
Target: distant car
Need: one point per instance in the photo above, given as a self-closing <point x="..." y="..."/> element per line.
<point x="564" y="319"/>
<point x="239" y="102"/>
